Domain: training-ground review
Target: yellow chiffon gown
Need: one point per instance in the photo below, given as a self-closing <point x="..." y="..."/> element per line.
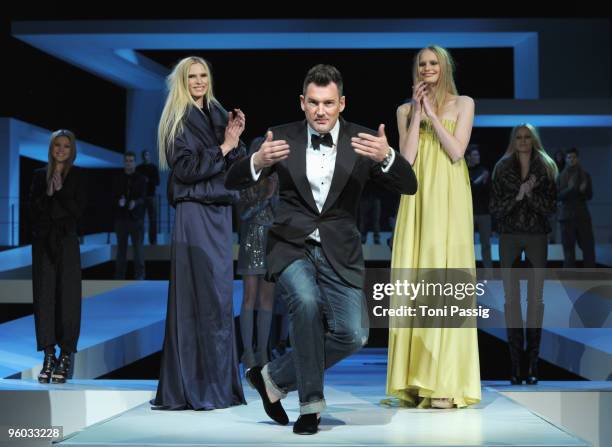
<point x="434" y="229"/>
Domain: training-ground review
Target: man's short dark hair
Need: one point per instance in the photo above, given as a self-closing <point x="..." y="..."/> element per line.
<point x="144" y="151"/>
<point x="572" y="150"/>
<point x="323" y="75"/>
<point x="129" y="154"/>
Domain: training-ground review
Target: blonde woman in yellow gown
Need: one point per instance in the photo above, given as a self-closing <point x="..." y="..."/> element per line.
<point x="435" y="367"/>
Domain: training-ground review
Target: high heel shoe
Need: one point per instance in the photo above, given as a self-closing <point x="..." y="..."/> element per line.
<point x="442" y="403"/>
<point x="62" y="370"/>
<point x="44" y="376"/>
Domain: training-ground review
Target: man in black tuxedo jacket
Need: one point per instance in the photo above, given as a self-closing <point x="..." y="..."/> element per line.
<point x="314" y="248"/>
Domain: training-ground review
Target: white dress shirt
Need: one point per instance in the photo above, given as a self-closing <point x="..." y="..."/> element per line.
<point x="320" y="165"/>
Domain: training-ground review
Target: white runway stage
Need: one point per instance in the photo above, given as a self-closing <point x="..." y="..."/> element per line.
<point x="117" y="413"/>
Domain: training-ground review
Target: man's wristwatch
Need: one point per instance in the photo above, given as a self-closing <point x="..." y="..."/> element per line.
<point x="387" y="159"/>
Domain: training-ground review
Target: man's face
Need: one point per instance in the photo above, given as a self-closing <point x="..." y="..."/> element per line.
<point x="474" y="158"/>
<point x="146" y="157"/>
<point x="129" y="164"/>
<point x="571" y="159"/>
<point x="322" y="106"/>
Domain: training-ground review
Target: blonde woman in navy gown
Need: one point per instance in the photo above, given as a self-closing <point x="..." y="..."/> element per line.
<point x="198" y="141"/>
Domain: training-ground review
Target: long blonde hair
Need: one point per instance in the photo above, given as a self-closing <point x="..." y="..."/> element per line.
<point x="73" y="153"/>
<point x="446" y="82"/>
<point x="177" y="105"/>
<point x="538" y="150"/>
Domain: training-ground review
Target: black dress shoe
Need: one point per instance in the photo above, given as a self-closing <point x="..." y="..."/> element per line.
<point x="281" y="347"/>
<point x="516" y="380"/>
<point x="44" y="376"/>
<point x="274" y="410"/>
<point x="532" y="372"/>
<point x="61" y="371"/>
<point x="532" y="375"/>
<point x="307" y="424"/>
<point x="515" y="377"/>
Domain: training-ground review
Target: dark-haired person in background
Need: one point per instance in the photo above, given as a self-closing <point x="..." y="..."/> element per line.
<point x="129" y="190"/>
<point x="480" y="181"/>
<point x="150" y="171"/>
<point x="575" y="190"/>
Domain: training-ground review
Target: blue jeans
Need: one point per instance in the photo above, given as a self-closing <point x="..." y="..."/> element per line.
<point x="328" y="322"/>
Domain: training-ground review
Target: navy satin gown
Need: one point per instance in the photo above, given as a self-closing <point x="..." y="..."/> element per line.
<point x="199" y="365"/>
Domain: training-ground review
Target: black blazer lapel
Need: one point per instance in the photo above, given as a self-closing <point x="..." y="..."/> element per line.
<point x="296" y="163"/>
<point x="345" y="161"/>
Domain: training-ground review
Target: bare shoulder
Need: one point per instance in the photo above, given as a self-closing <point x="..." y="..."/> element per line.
<point x="465" y="102"/>
<point x="404" y="109"/>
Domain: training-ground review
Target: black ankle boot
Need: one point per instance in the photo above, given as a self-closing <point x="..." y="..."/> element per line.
<point x="47" y="370"/>
<point x="281" y="347"/>
<point x="534" y="335"/>
<point x="516" y="342"/>
<point x="515" y="345"/>
<point x="535" y="317"/>
<point x="62" y="370"/>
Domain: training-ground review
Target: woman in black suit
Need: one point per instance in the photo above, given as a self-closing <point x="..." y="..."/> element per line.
<point x="198" y="141"/>
<point x="57" y="201"/>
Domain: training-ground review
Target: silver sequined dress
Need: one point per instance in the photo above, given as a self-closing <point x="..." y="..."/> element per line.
<point x="256" y="208"/>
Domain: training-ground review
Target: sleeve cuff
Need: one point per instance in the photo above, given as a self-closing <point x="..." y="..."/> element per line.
<point x="254" y="174"/>
<point x="385" y="167"/>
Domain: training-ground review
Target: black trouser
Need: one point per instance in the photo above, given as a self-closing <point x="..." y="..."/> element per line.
<point x="151" y="208"/>
<point x="482" y="224"/>
<point x="135" y="230"/>
<point x="57" y="294"/>
<point x="535" y="246"/>
<point x="581" y="231"/>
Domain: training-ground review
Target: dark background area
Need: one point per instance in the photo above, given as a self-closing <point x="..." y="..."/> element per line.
<point x="53" y="94"/>
<point x="265" y="84"/>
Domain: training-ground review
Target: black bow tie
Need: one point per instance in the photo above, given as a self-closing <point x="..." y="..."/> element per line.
<point x="318" y="140"/>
